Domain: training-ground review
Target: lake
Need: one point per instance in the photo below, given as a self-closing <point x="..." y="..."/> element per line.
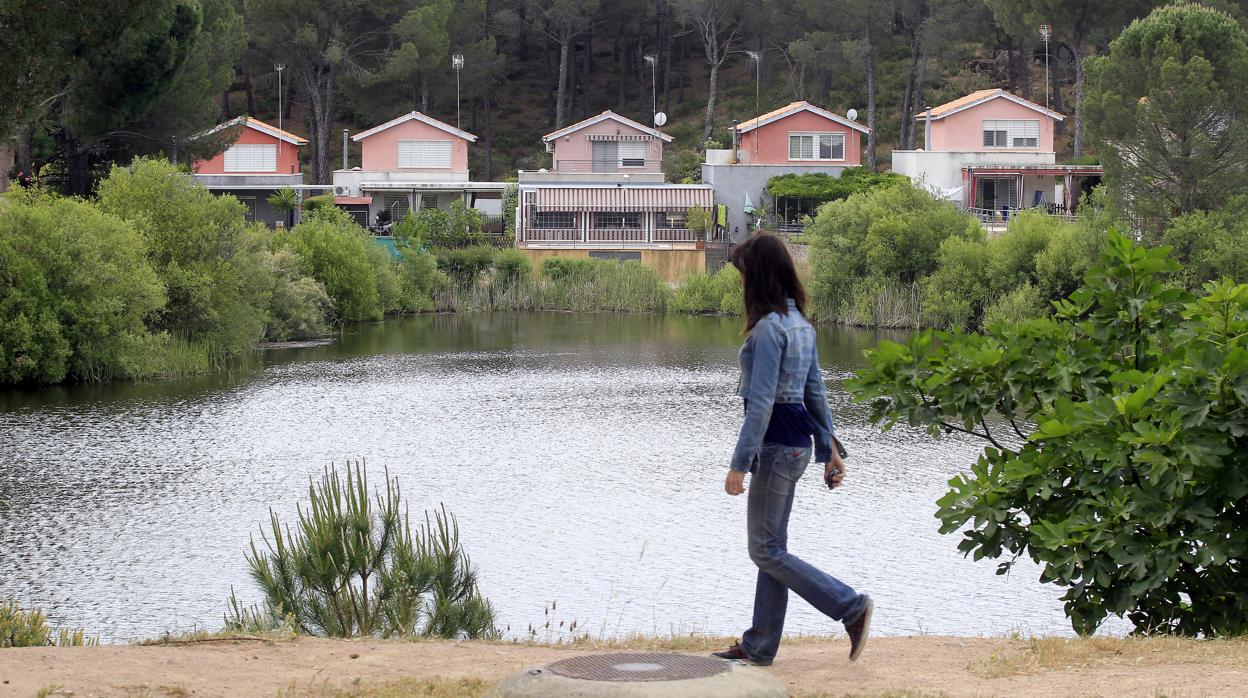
<point x="584" y="456"/>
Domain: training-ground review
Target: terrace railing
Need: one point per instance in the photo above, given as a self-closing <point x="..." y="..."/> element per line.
<point x="674" y="235"/>
<point x="552" y="235"/>
<point x="608" y="166"/>
<point x="616" y="235"/>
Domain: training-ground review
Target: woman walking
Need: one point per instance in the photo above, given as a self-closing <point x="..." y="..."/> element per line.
<point x="786" y="406"/>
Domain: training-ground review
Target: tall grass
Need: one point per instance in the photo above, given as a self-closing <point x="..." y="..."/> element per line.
<point x="29" y="628"/>
<point x="568" y="285"/>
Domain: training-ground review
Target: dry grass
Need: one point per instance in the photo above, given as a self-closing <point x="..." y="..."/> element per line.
<point x="203" y="636"/>
<point x="1052" y="653"/>
<point x="404" y="688"/>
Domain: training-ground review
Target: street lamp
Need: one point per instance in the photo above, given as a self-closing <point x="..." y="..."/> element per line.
<point x="758" y="61"/>
<point x="1046" y="32"/>
<point x="457" y="62"/>
<point x="654" y="101"/>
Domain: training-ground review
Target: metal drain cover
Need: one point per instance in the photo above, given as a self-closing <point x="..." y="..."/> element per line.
<point x="636" y="667"/>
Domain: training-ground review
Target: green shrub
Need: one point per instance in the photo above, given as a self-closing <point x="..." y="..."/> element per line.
<point x="886" y="238"/>
<point x="353" y="566"/>
<point x="312" y="204"/>
<point x="1014" y="252"/>
<point x="338" y="254"/>
<point x="75" y="290"/>
<point x="714" y="294"/>
<point x="683" y="167"/>
<point x="299" y="307"/>
<point x="212" y="262"/>
<point x="954" y="295"/>
<point x="1129" y="491"/>
<point x="824" y="187"/>
<point x="419" y="280"/>
<point x="1211" y="245"/>
<point x="566" y="268"/>
<point x="386" y="271"/>
<point x="456" y="227"/>
<point x="1024" y="302"/>
<point x="29" y="628"/>
<point x="464" y="266"/>
<point x="511" y="200"/>
<point x="512" y="267"/>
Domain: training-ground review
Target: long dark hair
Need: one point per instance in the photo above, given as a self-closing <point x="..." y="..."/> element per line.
<point x="769" y="277"/>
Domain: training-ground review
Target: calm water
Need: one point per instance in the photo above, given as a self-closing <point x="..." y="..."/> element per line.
<point x="584" y="456"/>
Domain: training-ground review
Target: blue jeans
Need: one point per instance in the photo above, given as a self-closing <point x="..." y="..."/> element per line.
<point x="776" y="472"/>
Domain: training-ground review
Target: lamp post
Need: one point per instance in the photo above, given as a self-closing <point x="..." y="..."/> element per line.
<point x="1046" y="32"/>
<point x="654" y="101"/>
<point x="279" y="67"/>
<point x="457" y="62"/>
<point x="758" y="62"/>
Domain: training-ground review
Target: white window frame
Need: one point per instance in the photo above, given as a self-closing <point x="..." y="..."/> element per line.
<point x="251" y="157"/>
<point x="412" y="154"/>
<point x="816" y="137"/>
<point x="1010" y="134"/>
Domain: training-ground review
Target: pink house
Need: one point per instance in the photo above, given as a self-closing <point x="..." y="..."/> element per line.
<point x="260" y="160"/>
<point x="993" y="153"/>
<point x="798" y="138"/>
<point x="606" y="143"/>
<point x="800" y="134"/>
<point x="410" y="163"/>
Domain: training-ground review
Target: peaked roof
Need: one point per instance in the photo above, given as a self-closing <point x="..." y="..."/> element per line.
<point x="793" y="108"/>
<point x="981" y="96"/>
<point x="608" y="114"/>
<point x="254" y="123"/>
<point x="415" y="116"/>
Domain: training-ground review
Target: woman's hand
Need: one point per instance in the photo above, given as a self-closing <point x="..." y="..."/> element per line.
<point x="834" y="471"/>
<point x="734" y="484"/>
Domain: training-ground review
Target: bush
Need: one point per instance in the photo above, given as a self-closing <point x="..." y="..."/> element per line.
<point x="1130" y="490"/>
<point x="1211" y="245"/>
<point x="312" y="204"/>
<point x="683" y="167"/>
<point x="75" y="291"/>
<point x="386" y="272"/>
<point x="511" y="200"/>
<point x="457" y="227"/>
<point x="338" y="254"/>
<point x="355" y="567"/>
<point x="22" y="628"/>
<point x="512" y="267"/>
<point x="824" y="187"/>
<point x="566" y="268"/>
<point x="212" y="262"/>
<point x="889" y="237"/>
<point x="1024" y="302"/>
<point x="954" y="295"/>
<point x="419" y="280"/>
<point x="464" y="266"/>
<point x="711" y="294"/>
<point x="299" y="307"/>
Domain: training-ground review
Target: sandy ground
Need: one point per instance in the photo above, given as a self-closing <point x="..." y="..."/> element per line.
<point x="895" y="667"/>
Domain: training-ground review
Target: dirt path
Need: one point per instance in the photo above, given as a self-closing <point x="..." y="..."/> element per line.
<point x="896" y="667"/>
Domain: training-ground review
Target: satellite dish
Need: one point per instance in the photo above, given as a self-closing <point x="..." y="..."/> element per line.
<point x="852" y="114"/>
<point x="660" y="118"/>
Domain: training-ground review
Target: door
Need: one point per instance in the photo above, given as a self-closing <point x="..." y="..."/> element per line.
<point x="606" y="155"/>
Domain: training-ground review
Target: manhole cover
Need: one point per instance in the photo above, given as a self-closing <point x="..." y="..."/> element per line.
<point x="637" y="667"/>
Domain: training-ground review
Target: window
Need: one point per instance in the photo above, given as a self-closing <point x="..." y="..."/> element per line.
<point x="397" y="205"/>
<point x="249" y="208"/>
<point x="632" y="154"/>
<point x="247" y="157"/>
<point x="547" y="220"/>
<point x="428" y="201"/>
<point x="425" y="154"/>
<point x="612" y="220"/>
<point x="671" y="220"/>
<point x="816" y="146"/>
<point x="1016" y="133"/>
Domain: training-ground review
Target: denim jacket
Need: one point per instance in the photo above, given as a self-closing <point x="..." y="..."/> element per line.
<point x="779" y="363"/>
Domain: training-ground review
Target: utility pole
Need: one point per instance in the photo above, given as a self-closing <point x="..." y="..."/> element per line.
<point x="758" y="62"/>
<point x="654" y="102"/>
<point x="457" y="62"/>
<point x="279" y="67"/>
<point x="1046" y="31"/>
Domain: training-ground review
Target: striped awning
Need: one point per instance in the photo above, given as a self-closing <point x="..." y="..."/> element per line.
<point x="623" y="198"/>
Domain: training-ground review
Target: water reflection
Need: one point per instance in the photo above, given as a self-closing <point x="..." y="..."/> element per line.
<point x="583" y="454"/>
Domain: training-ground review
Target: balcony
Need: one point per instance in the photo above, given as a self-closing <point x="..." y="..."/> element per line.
<point x="595" y="172"/>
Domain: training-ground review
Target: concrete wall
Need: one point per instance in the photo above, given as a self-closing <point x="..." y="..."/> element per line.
<point x="380" y="151"/>
<point x="287" y="154"/>
<point x="963" y="131"/>
<point x="944" y="169"/>
<point x="671" y="265"/>
<point x="769" y="144"/>
<point x="733" y="182"/>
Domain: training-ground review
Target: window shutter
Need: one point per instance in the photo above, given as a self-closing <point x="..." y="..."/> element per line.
<point x="425" y="154"/>
<point x="632" y="153"/>
<point x="1011" y="133"/>
<point x="248" y="157"/>
<point x="397" y="204"/>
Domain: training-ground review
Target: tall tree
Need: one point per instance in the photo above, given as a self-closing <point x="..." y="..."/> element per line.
<point x="718" y="24"/>
<point x="319" y="42"/>
<point x="1168" y="111"/>
<point x="562" y="21"/>
<point x="1079" y="23"/>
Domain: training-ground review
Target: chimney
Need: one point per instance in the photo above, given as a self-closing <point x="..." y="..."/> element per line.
<point x="344" y="149"/>
<point x="927" y="131"/>
<point x="733" y="157"/>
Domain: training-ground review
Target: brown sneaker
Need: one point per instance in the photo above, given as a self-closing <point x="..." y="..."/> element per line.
<point x="735" y="653"/>
<point x="859" y="630"/>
